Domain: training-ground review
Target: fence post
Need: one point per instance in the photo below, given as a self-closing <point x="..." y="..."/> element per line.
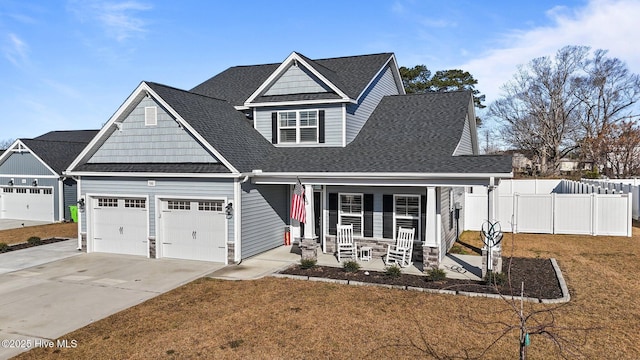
<point x="594" y="218"/>
<point x="515" y="213"/>
<point x="553" y="211"/>
<point x="629" y="213"/>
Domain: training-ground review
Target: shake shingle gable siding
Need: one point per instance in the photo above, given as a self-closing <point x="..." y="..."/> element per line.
<point x="223" y="127"/>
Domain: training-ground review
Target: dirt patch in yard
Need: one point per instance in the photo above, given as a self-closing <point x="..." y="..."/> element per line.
<point x="275" y="318"/>
<point x="57" y="230"/>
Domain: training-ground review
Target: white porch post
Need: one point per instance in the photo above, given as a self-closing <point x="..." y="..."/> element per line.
<point x="309" y="226"/>
<point x="431" y="228"/>
<point x="492" y="203"/>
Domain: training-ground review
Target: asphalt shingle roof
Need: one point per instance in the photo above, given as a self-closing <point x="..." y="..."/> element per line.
<point x="84" y="136"/>
<point x="59" y="148"/>
<point x="350" y="74"/>
<point x="193" y="168"/>
<point x="405" y="134"/>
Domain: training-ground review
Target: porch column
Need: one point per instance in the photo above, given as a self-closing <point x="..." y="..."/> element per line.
<point x="309" y="226"/>
<point x="431" y="228"/>
<point x="492" y="202"/>
<point x="431" y="246"/>
<point x="308" y="244"/>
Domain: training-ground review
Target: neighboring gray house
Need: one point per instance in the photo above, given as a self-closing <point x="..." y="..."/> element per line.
<point x="32" y="186"/>
<point x="207" y="174"/>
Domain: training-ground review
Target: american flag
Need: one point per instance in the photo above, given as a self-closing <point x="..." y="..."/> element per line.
<point x="298" y="211"/>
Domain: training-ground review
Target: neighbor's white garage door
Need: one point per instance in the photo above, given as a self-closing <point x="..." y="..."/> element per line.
<point x="193" y="229"/>
<point x="120" y="225"/>
<point x="26" y="203"/>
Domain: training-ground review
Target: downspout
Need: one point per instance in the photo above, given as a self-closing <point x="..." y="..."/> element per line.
<point x="246" y="178"/>
<point x="61" y="198"/>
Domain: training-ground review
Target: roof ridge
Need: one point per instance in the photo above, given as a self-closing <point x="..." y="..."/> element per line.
<point x="61" y="141"/>
<point x="186" y="91"/>
<point x="314" y="60"/>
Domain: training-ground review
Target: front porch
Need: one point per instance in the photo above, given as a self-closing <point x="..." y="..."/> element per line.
<point x="467" y="267"/>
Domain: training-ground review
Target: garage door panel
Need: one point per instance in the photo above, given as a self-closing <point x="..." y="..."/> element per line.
<point x="28" y="203"/>
<point x="119" y="228"/>
<point x="193" y="230"/>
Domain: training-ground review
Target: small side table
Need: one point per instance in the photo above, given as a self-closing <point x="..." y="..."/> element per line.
<point x="365" y="253"/>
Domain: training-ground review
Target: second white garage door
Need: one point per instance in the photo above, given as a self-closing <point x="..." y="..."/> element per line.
<point x="194" y="230"/>
<point x="120" y="225"/>
<point x="26" y="203"/>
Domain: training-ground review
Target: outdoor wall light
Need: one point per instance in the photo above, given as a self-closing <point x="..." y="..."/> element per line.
<point x="35" y="182"/>
<point x="11" y="182"/>
<point x="81" y="204"/>
<point x="228" y="210"/>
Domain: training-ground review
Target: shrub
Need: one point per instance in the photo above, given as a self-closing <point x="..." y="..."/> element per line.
<point x="393" y="271"/>
<point x="350" y="266"/>
<point x="495" y="278"/>
<point x="308" y="263"/>
<point x="34" y="240"/>
<point x="436" y="274"/>
<point x="3" y="247"/>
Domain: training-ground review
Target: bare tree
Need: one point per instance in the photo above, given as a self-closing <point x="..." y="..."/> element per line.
<point x="607" y="91"/>
<point x="4" y="144"/>
<point x="620" y="149"/>
<point x="538" y="111"/>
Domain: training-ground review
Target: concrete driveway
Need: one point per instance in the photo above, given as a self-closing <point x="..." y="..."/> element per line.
<point x="42" y="302"/>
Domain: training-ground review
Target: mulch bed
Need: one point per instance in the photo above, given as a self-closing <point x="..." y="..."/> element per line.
<point x="539" y="279"/>
<point x="25" y="245"/>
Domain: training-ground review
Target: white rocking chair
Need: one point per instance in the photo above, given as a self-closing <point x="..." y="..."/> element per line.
<point x="400" y="253"/>
<point x="345" y="245"/>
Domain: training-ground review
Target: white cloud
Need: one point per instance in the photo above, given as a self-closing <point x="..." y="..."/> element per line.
<point x="120" y="20"/>
<point x="15" y="50"/>
<point x="601" y="24"/>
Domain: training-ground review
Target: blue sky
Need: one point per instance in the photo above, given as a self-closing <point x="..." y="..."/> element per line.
<point x="68" y="65"/>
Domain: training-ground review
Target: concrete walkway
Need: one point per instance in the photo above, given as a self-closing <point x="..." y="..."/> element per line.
<point x="37" y="255"/>
<point x="6" y="224"/>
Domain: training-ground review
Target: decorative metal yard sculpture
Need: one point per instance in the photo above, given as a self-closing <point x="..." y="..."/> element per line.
<point x="491" y="233"/>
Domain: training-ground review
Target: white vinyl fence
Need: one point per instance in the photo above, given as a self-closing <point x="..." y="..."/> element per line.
<point x="549" y="207"/>
<point x="611" y="186"/>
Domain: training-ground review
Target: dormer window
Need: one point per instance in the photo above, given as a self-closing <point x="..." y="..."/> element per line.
<point x="296" y="127"/>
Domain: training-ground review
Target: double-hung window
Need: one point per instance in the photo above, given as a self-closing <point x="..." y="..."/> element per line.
<point x="407" y="213"/>
<point x="350" y="212"/>
<point x="299" y="126"/>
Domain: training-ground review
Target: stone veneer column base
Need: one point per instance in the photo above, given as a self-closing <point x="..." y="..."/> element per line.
<point x="231" y="253"/>
<point x="309" y="249"/>
<point x="430" y="257"/>
<point x="83" y="242"/>
<point x="497" y="261"/>
<point x="152" y="247"/>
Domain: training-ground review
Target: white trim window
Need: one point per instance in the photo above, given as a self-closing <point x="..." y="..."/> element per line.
<point x="351" y="211"/>
<point x="406" y="213"/>
<point x="300" y="126"/>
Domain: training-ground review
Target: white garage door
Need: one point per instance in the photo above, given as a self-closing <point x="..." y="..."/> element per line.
<point x="193" y="229"/>
<point x="120" y="225"/>
<point x="26" y="203"/>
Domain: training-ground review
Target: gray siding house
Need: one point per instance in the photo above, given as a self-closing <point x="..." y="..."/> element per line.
<point x="32" y="184"/>
<point x="208" y="173"/>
